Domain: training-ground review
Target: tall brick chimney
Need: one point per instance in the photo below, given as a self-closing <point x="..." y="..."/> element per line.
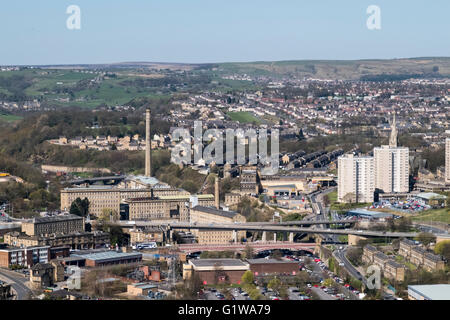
<point x="216" y="195"/>
<point x="148" y="145"/>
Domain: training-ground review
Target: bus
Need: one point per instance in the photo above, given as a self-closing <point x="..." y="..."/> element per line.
<point x="150" y="245"/>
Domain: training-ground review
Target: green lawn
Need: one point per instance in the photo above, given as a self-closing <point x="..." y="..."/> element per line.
<point x="435" y="215"/>
<point x="408" y="264"/>
<point x="333" y="197"/>
<point x="334" y="205"/>
<point x="243" y="117"/>
<point x="9" y="117"/>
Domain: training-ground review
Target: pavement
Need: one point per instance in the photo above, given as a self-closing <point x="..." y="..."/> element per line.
<point x="18" y="283"/>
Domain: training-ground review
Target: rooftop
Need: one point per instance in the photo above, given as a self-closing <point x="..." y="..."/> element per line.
<point x="64" y="217"/>
<point x="432" y="291"/>
<point x="431" y="195"/>
<point x="408" y="242"/>
<point x="217" y="212"/>
<point x="370" y="248"/>
<point x="394" y="264"/>
<point x="371" y="214"/>
<point x="217" y="262"/>
<point x="108" y="255"/>
<point x="269" y="261"/>
<point x="433" y="257"/>
<point x="145" y="180"/>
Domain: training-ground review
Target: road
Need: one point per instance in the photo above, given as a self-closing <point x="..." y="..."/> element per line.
<point x="256" y="246"/>
<point x="341" y="257"/>
<point x="429" y="228"/>
<point x="18" y="283"/>
<point x="322" y="295"/>
<point x="269" y="228"/>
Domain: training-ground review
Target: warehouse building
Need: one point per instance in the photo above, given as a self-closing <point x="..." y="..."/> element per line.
<point x="429" y="292"/>
<point x="262" y="267"/>
<point x="100" y="259"/>
<point x="215" y="271"/>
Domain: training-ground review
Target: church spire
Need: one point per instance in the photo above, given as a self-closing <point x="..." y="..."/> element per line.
<point x="394" y="134"/>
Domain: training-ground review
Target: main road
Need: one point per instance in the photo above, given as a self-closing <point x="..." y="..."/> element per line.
<point x="270" y="228"/>
<point x="18" y="283"/>
<point x="256" y="246"/>
<point x="339" y="254"/>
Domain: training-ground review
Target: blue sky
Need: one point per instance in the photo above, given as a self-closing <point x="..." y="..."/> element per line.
<point x="34" y="32"/>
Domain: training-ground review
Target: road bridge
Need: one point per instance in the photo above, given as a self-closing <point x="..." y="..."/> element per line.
<point x="269" y="228"/>
<point x="256" y="246"/>
<point x="110" y="180"/>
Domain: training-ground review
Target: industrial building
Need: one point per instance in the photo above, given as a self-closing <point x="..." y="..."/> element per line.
<point x="371" y="215"/>
<point x="99" y="259"/>
<point x="206" y="215"/>
<point x="214" y="271"/>
<point x="429" y="292"/>
<point x="262" y="267"/>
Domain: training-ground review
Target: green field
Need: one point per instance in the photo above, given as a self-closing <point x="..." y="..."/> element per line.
<point x="9" y="118"/>
<point x="342" y="207"/>
<point x="70" y="88"/>
<point x="243" y="117"/>
<point x="434" y="215"/>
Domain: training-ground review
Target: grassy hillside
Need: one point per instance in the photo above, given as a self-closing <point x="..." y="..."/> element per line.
<point x="342" y="69"/>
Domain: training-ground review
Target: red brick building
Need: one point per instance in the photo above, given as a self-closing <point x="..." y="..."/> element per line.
<point x="214" y="271"/>
<point x="272" y="266"/>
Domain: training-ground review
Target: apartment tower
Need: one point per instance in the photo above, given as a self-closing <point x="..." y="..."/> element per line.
<point x="355" y="179"/>
<point x="391" y="165"/>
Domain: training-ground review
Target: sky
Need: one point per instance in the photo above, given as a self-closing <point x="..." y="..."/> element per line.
<point x="204" y="31"/>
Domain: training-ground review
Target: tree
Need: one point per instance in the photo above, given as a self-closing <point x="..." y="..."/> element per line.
<point x="248" y="251"/>
<point x="349" y="197"/>
<point x="74" y="209"/>
<point x="190" y="288"/>
<point x="355" y="255"/>
<point x="404" y="224"/>
<point x="276" y="254"/>
<point x="328" y="282"/>
<point x="426" y="238"/>
<point x="274" y="284"/>
<point x="80" y="207"/>
<point x="301" y="278"/>
<point x="255" y="294"/>
<point x="443" y="248"/>
<point x="109" y="215"/>
<point x="247" y="277"/>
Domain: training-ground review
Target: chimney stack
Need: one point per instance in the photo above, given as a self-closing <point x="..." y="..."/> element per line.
<point x="148" y="145"/>
<point x="216" y="198"/>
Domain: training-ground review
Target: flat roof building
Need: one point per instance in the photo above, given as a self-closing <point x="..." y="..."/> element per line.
<point x="207" y="215"/>
<point x="109" y="258"/>
<point x="366" y="214"/>
<point x="64" y="224"/>
<point x="214" y="271"/>
<point x="261" y="267"/>
<point x="429" y="292"/>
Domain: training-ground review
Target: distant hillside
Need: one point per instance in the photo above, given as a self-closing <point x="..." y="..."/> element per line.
<point x="345" y="69"/>
<point x="372" y="70"/>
